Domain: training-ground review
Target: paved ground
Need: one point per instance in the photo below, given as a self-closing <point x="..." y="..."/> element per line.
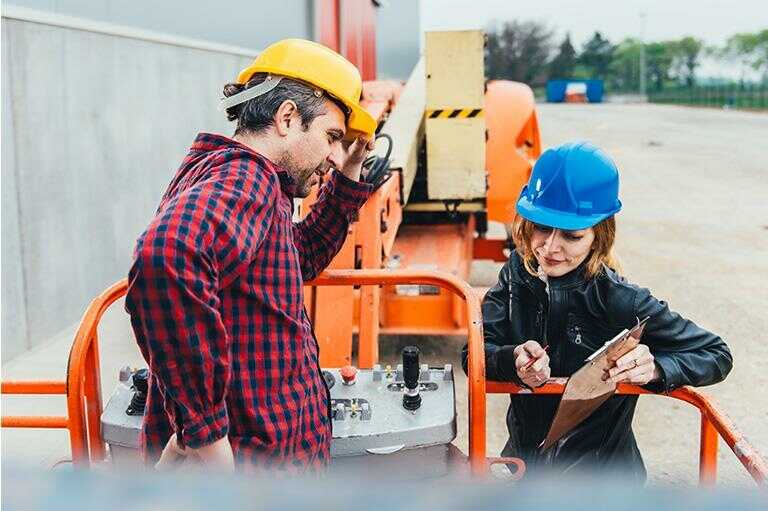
<point x="694" y="230"/>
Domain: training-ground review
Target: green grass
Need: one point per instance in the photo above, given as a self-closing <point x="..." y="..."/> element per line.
<point x="749" y="97"/>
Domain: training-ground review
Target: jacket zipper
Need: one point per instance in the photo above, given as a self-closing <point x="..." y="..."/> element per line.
<point x="509" y="298"/>
<point x="541" y="318"/>
<point x="577" y="331"/>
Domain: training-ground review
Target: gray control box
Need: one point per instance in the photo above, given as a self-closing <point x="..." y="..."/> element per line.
<point x="370" y="424"/>
<point x="387" y="427"/>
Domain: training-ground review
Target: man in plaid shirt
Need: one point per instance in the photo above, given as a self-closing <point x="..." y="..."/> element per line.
<point x="215" y="290"/>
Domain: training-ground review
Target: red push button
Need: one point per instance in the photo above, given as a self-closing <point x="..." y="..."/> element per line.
<point x="349" y="375"/>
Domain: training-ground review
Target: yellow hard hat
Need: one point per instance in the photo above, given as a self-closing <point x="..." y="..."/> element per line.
<point x="322" y="67"/>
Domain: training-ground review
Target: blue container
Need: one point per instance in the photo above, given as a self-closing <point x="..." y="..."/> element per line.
<point x="556" y="90"/>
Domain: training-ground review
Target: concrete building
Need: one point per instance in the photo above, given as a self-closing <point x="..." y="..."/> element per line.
<point x="100" y="102"/>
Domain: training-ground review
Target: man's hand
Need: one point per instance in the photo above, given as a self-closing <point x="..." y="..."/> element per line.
<point x="355" y="156"/>
<point x="538" y="372"/>
<point x="636" y="367"/>
<point x="212" y="457"/>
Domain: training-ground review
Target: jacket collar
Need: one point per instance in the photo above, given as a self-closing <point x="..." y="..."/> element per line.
<point x="571" y="279"/>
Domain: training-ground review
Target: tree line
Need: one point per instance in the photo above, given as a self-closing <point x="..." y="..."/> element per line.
<point x="527" y="52"/>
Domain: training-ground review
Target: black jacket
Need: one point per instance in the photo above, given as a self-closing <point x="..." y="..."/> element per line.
<point x="575" y="319"/>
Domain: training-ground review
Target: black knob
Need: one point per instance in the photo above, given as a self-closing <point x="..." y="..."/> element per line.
<point x="141" y="380"/>
<point x="411" y="397"/>
<point x="139" y="398"/>
<point x="411" y="366"/>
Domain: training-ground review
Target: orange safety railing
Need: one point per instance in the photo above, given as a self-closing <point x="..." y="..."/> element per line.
<point x="31" y="388"/>
<point x="714" y="423"/>
<point x="83" y="388"/>
<point x="477" y="460"/>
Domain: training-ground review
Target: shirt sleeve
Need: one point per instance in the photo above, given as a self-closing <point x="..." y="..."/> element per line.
<point x="320" y="236"/>
<point x="198" y="243"/>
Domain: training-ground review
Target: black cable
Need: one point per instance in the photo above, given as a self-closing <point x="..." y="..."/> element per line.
<point x="378" y="166"/>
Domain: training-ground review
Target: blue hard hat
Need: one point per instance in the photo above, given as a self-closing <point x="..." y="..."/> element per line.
<point x="572" y="186"/>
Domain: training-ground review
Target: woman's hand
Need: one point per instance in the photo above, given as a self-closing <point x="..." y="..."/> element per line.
<point x="636" y="367"/>
<point x="214" y="457"/>
<point x="538" y="372"/>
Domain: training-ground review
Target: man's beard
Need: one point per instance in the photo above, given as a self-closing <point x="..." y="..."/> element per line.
<point x="300" y="174"/>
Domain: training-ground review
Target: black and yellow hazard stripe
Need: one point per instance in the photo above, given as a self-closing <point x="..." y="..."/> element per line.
<point x="455" y="113"/>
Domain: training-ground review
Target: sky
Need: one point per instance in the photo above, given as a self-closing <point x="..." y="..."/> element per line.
<point x="713" y="21"/>
<point x="710" y="20"/>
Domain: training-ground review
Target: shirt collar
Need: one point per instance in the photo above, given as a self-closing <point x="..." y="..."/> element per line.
<point x="206" y="142"/>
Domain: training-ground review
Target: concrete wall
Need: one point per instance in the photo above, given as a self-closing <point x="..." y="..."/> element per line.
<point x="93" y="128"/>
<point x="14" y="312"/>
<point x="246" y="23"/>
<point x="98" y="110"/>
<point x="249" y="23"/>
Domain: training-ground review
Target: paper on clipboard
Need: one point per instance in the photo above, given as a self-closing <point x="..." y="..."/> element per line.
<point x="586" y="390"/>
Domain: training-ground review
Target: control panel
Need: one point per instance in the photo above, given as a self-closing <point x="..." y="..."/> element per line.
<point x="370" y="417"/>
<point x="376" y="411"/>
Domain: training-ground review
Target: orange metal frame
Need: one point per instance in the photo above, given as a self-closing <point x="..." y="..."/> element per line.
<point x="83" y="388"/>
<point x="369" y="242"/>
<point x="714" y="423"/>
<point x="513" y="144"/>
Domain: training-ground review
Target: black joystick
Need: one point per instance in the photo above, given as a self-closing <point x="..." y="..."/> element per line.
<point x="411" y="397"/>
<point x="139" y="399"/>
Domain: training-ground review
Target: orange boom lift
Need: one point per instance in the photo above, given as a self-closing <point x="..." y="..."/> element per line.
<point x="460" y="155"/>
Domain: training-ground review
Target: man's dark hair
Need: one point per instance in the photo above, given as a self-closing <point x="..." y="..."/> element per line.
<point x="257" y="114"/>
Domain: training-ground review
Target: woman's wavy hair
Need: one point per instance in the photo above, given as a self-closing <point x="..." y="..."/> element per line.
<point x="602" y="248"/>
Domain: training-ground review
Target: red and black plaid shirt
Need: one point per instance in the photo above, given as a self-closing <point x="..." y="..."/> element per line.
<point x="216" y="303"/>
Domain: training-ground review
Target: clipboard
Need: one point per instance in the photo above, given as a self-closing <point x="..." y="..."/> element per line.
<point x="586" y="390"/>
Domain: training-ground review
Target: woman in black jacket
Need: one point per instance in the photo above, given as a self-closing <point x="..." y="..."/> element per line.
<point x="560" y="289"/>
